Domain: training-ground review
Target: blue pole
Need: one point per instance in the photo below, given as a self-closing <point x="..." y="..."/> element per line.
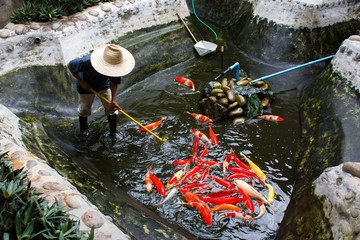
<point x="235" y="65"/>
<point x="293" y="68"/>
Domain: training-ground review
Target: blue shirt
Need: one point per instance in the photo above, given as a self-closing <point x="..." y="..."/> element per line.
<point x="97" y="81"/>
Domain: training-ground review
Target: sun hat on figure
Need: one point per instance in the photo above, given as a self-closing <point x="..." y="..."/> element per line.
<point x="112" y="60"/>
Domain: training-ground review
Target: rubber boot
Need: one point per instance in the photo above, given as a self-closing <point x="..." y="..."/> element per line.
<point x="84" y="129"/>
<point x="112" y="125"/>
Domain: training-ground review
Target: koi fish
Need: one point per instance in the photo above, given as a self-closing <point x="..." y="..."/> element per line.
<point x="200" y="117"/>
<point x="200" y="135"/>
<point x="148" y="184"/>
<point x="195" y="146"/>
<point x="222" y="182"/>
<point x="211" y="163"/>
<point x="158" y="184"/>
<point x="152" y="126"/>
<point x="238" y="162"/>
<point x="247" y="200"/>
<point x="194" y="185"/>
<point x="170" y="195"/>
<point x="182" y="162"/>
<point x="186" y="82"/>
<point x="271" y="194"/>
<point x="204" y="152"/>
<point x="238" y="175"/>
<point x="204" y="174"/>
<point x="221" y="193"/>
<point x="271" y="117"/>
<point x="226" y="162"/>
<point x="261" y="208"/>
<point x="189" y="196"/>
<point x="213" y="136"/>
<point x="237" y="215"/>
<point x="204" y="210"/>
<point x="202" y="189"/>
<point x="255" y="168"/>
<point x="176" y="176"/>
<point x="239" y="170"/>
<point x="190" y="173"/>
<point x="252" y="192"/>
<point x="222" y="200"/>
<point x="226" y="206"/>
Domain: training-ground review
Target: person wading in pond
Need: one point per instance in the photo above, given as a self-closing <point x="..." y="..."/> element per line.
<point x="101" y="71"/>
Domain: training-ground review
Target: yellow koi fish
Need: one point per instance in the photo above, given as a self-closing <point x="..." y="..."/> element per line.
<point x="271" y="194"/>
<point x="255" y="168"/>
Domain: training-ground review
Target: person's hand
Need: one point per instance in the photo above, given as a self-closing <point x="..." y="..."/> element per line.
<point x="115" y="105"/>
<point x="85" y="85"/>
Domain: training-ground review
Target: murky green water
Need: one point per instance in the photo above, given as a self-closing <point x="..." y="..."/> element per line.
<point x="150" y="94"/>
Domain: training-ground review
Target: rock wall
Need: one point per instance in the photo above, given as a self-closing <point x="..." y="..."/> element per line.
<point x="61" y="41"/>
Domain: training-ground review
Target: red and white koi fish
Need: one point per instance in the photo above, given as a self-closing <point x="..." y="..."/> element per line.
<point x="271" y="117"/>
<point x="226" y="162"/>
<point x="249" y="190"/>
<point x="213" y="136"/>
<point x="195" y="146"/>
<point x="152" y="126"/>
<point x="222" y="182"/>
<point x="170" y="195"/>
<point x="176" y="177"/>
<point x="204" y="210"/>
<point x="158" y="184"/>
<point x="261" y="208"/>
<point x="255" y="168"/>
<point x="200" y="135"/>
<point x="238" y="162"/>
<point x="271" y="194"/>
<point x="148" y="184"/>
<point x="190" y="173"/>
<point x="182" y="162"/>
<point x="247" y="200"/>
<point x="226" y="206"/>
<point x="237" y="215"/>
<point x="200" y="117"/>
<point x="186" y="82"/>
<point x="204" y="152"/>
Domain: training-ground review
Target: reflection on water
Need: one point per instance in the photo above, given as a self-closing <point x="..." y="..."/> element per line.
<point x="123" y="162"/>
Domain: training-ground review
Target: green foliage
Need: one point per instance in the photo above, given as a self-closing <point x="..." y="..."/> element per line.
<point x="50" y="10"/>
<point x="25" y="215"/>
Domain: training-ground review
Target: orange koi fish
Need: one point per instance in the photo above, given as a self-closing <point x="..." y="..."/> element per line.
<point x="211" y="163"/>
<point x="148" y="184"/>
<point x="213" y="136"/>
<point x="200" y="117"/>
<point x="204" y="174"/>
<point x="190" y="173"/>
<point x="247" y="172"/>
<point x="247" y="200"/>
<point x="176" y="177"/>
<point x="158" y="184"/>
<point x="186" y="82"/>
<point x="271" y="118"/>
<point x="204" y="210"/>
<point x="221" y="193"/>
<point x="249" y="190"/>
<point x="200" y="135"/>
<point x="237" y="215"/>
<point x="152" y="126"/>
<point x="238" y="175"/>
<point x="222" y="200"/>
<point x="262" y="209"/>
<point x="182" y="162"/>
<point x="194" y="185"/>
<point x="226" y="206"/>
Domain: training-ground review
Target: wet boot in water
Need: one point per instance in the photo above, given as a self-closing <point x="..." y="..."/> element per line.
<point x="84" y="129"/>
<point x="112" y="125"/>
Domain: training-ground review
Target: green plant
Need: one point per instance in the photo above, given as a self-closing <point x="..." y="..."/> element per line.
<point x="26" y="215"/>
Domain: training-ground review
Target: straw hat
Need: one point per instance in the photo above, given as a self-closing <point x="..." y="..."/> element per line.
<point x="112" y="60"/>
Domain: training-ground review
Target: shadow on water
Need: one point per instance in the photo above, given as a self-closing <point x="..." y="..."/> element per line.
<point x="150" y="93"/>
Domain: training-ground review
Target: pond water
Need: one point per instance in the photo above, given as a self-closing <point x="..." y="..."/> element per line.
<point x="122" y="163"/>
